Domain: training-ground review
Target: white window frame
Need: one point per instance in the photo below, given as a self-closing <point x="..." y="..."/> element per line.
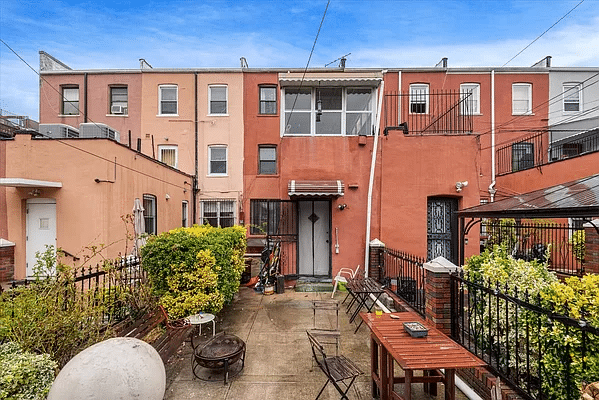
<point x="165" y="147"/>
<point x="160" y="87"/>
<point x="517" y="110"/>
<point x="312" y="111"/>
<point x="219" y="203"/>
<point x="210" y="148"/>
<point x="210" y="87"/>
<point x="150" y="213"/>
<point x="65" y="101"/>
<point x="266" y="101"/>
<point x="473" y="99"/>
<point x="570" y="88"/>
<point x="184" y="213"/>
<point x="417" y="92"/>
<point x="112" y="102"/>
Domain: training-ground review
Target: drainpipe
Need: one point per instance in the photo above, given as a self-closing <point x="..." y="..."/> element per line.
<point x="372" y="166"/>
<point x="194" y="191"/>
<point x="85" y="97"/>
<point x="492" y="189"/>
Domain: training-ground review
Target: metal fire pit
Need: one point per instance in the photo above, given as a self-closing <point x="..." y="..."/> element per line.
<point x="219" y="355"/>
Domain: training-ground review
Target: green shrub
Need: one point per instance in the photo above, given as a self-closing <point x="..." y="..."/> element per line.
<point x="578" y="244"/>
<point x="195" y="250"/>
<point x="23" y="375"/>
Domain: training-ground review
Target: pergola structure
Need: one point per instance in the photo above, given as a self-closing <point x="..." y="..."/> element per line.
<point x="574" y="199"/>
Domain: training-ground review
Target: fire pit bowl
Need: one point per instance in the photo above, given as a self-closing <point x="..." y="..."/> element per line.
<point x="224" y="353"/>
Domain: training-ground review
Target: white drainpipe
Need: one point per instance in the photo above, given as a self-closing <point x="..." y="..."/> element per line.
<point x="372" y="167"/>
<point x="492" y="189"/>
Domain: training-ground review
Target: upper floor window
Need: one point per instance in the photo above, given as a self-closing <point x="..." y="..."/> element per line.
<point x="218" y="213"/>
<point x="118" y="100"/>
<point x="268" y="100"/>
<point x="328" y="111"/>
<point x="168" y="154"/>
<point x="184" y="213"/>
<point x="168" y="99"/>
<point x="522" y="156"/>
<point x="267" y="160"/>
<point x="218" y="99"/>
<point x="521" y="98"/>
<point x="419" y="98"/>
<point x="217" y="160"/>
<point x="70" y="100"/>
<point x="150" y="213"/>
<point x="470" y="98"/>
<point x="572" y="97"/>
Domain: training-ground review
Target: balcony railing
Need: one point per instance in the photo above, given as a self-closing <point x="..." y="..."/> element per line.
<point x="434" y="113"/>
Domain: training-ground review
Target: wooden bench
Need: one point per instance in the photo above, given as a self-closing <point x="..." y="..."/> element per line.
<point x="176" y="332"/>
<point x="338" y="369"/>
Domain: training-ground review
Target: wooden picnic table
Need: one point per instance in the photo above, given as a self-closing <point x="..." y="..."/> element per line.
<point x="360" y="290"/>
<point x="431" y="354"/>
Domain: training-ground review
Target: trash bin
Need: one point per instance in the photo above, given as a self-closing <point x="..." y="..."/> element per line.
<point x="280" y="284"/>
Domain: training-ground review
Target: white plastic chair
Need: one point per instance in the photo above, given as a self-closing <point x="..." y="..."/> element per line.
<point x="344" y="275"/>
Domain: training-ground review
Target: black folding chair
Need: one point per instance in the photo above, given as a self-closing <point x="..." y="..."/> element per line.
<point x="338" y="369"/>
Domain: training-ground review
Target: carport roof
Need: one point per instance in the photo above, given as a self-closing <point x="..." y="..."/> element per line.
<point x="579" y="198"/>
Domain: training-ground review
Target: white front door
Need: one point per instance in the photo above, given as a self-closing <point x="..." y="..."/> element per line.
<point x="314" y="246"/>
<point x="41" y="228"/>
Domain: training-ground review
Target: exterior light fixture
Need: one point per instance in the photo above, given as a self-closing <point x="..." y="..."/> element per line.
<point x="460" y="185"/>
<point x="342" y="207"/>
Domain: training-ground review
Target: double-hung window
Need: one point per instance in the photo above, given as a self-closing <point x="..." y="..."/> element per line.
<point x="168" y="99"/>
<point x="572" y="97"/>
<point x="469" y="98"/>
<point x="70" y="100"/>
<point x="150" y="212"/>
<point x="419" y="98"/>
<point x="168" y="154"/>
<point x="118" y="100"/>
<point x="521" y="99"/>
<point x="267" y="160"/>
<point x="268" y="100"/>
<point x="327" y="111"/>
<point x="217" y="160"/>
<point x="184" y="213"/>
<point x="218" y="213"/>
<point x="218" y="99"/>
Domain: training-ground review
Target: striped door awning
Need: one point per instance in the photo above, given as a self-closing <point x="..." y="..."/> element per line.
<point x="332" y="188"/>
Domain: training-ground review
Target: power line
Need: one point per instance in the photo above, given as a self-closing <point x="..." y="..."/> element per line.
<point x="547" y="30"/>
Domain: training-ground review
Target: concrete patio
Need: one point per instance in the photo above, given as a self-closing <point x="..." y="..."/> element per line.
<point x="278" y="359"/>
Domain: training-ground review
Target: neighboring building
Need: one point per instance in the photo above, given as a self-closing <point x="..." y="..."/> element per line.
<point x="74" y="193"/>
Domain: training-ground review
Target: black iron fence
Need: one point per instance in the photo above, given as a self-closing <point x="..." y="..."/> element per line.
<point x="405" y="275"/>
<point x="544" y="354"/>
<point x="113" y="284"/>
<point x="438" y="112"/>
<point x="575" y="145"/>
<point x="562" y="245"/>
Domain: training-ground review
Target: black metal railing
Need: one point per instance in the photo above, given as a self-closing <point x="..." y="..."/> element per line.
<point x="439" y="112"/>
<point x="541" y="353"/>
<point x="405" y="274"/>
<point x="574" y="146"/>
<point x="524" y="153"/>
<point x="562" y="245"/>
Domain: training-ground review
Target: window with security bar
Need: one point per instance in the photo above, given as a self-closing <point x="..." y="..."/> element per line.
<point x="168" y="155"/>
<point x="265" y="216"/>
<point x="218" y="212"/>
<point x="522" y="156"/>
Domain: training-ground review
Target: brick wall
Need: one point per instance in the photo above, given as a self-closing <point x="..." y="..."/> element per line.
<point x="591" y="256"/>
<point x="7" y="263"/>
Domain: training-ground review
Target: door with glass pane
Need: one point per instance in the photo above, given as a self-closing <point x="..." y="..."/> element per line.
<point x="442" y="223"/>
<point x="314" y="249"/>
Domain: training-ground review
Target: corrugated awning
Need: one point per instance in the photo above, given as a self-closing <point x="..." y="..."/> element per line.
<point x="331" y="79"/>
<point x="28" y="183"/>
<point x="316" y="188"/>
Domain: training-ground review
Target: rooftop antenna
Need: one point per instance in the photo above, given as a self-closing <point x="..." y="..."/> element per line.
<point x="341" y="60"/>
<point x="143" y="61"/>
<point x="244" y="62"/>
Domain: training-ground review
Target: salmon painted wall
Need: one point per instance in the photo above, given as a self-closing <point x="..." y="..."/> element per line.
<point x="98" y="101"/>
<point x="89" y="213"/>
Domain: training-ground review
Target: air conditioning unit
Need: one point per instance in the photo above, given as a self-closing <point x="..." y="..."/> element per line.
<point x="96" y="130"/>
<point x="117" y="109"/>
<point x="58" y="131"/>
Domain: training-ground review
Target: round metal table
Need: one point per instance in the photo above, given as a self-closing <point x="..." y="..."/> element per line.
<point x="198" y="320"/>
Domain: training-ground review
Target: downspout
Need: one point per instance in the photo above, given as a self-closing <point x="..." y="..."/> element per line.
<point x="194" y="191"/>
<point x="492" y="189"/>
<point x="371" y="180"/>
<point x="85" y="97"/>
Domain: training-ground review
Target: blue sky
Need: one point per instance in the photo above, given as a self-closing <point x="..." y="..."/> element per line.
<point x="271" y="33"/>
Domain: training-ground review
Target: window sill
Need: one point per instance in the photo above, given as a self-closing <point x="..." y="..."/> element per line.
<point x="117" y="115"/>
<point x="217" y="175"/>
<point x="217" y="115"/>
<point x="267" y="115"/>
<point x="167" y="115"/>
<point x="267" y="175"/>
<point x="523" y="114"/>
<point x="68" y="115"/>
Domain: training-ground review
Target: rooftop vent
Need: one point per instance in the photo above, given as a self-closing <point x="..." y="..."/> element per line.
<point x="58" y="131"/>
<point x="95" y="130"/>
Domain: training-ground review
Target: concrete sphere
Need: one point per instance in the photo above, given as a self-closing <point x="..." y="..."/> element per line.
<point x="116" y="369"/>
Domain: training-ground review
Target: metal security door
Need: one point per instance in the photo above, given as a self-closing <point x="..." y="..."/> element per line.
<point x="442" y="223"/>
<point x="41" y="229"/>
<point x="314" y="250"/>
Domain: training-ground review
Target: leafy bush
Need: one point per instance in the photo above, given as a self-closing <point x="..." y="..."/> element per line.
<point x="578" y="244"/>
<point x="23" y="375"/>
<point x="197" y="250"/>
